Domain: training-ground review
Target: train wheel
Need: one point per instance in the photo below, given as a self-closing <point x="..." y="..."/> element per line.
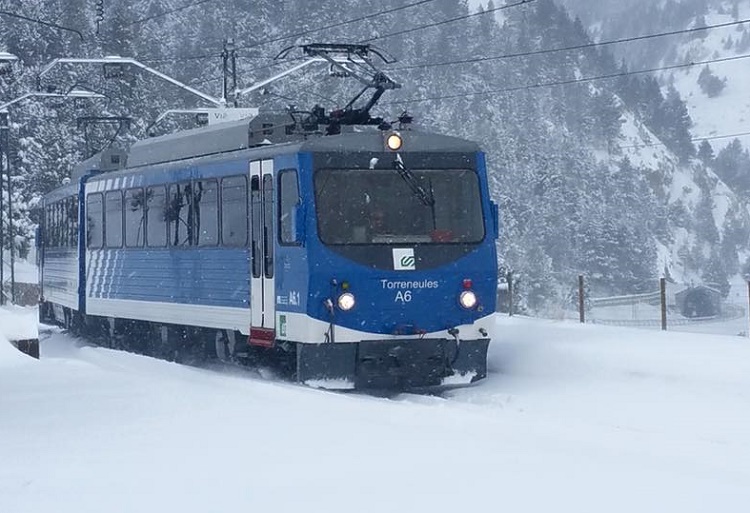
<point x="224" y="342"/>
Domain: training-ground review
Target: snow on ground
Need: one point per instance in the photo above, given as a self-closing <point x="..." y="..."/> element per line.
<point x="572" y="418"/>
<point x="18" y="323"/>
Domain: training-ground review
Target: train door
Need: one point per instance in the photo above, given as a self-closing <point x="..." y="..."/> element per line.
<point x="262" y="287"/>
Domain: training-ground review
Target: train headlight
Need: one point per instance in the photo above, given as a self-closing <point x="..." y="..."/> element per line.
<point x="468" y="299"/>
<point x="394" y="142"/>
<point x="346" y="301"/>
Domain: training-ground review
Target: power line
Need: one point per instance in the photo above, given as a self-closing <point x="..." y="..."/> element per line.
<point x="335" y="25"/>
<point x="286" y="36"/>
<point x="41" y="22"/>
<point x="347" y="22"/>
<point x="568" y="48"/>
<point x="200" y="57"/>
<point x="166" y="13"/>
<point x="572" y="81"/>
<point x="444" y="22"/>
<point x="693" y="139"/>
<point x="414" y="29"/>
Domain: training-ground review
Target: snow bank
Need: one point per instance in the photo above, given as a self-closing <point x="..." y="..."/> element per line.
<point x="18" y="323"/>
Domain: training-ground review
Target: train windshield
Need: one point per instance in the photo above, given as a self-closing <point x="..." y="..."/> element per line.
<point x="379" y="207"/>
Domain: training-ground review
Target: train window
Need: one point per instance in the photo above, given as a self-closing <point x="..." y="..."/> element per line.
<point x="179" y="207"/>
<point x="58" y="224"/>
<point x="113" y="219"/>
<point x="48" y="238"/>
<point x="73" y="217"/>
<point x="67" y="224"/>
<point x="51" y="225"/>
<point x="62" y="224"/>
<point x="288" y="201"/>
<point x="94" y="220"/>
<point x="377" y="207"/>
<point x="256" y="220"/>
<point x="135" y="218"/>
<point x="62" y="212"/>
<point x="45" y="227"/>
<point x="156" y="216"/>
<point x="234" y="211"/>
<point x="268" y="201"/>
<point x="205" y="215"/>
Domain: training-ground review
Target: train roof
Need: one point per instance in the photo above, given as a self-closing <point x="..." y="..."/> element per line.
<point x="268" y="134"/>
<point x="269" y="129"/>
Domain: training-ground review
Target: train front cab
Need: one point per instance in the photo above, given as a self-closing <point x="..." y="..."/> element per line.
<point x="409" y="306"/>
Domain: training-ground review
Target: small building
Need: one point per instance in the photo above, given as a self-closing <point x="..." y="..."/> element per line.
<point x="699" y="301"/>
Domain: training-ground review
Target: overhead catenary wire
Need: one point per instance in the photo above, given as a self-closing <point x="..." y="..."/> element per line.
<point x="450" y="20"/>
<point x="335" y="25"/>
<point x="580" y="80"/>
<point x="537" y="52"/>
<point x="692" y="139"/>
<point x="569" y="48"/>
<point x="166" y="13"/>
<point x="414" y="29"/>
<point x="294" y="35"/>
<point x="42" y="22"/>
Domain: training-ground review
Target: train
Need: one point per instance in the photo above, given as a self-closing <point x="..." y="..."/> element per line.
<point x="345" y="250"/>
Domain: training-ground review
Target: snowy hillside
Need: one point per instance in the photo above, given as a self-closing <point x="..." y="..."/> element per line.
<point x="718" y="116"/>
<point x="727" y="113"/>
<point x="572" y="418"/>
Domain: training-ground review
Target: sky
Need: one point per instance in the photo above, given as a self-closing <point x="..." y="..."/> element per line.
<point x="571" y="418"/>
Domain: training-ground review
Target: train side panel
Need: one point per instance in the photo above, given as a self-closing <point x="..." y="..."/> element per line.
<point x="292" y="250"/>
<point x="198" y="287"/>
<point x="204" y="286"/>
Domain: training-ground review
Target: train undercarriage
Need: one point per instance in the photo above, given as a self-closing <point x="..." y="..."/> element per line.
<point x="404" y="364"/>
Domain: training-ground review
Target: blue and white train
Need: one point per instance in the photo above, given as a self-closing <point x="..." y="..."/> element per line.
<point x="362" y="259"/>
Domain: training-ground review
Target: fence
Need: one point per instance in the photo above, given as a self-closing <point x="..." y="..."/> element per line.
<point x="678" y="307"/>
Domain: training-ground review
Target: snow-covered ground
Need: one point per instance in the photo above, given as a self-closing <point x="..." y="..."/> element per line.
<point x="573" y="417"/>
<point x="18" y="323"/>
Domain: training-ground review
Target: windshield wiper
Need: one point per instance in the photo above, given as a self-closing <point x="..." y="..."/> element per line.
<point x="424" y="196"/>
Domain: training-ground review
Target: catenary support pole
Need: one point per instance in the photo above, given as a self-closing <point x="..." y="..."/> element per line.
<point x="11" y="233"/>
<point x="510" y="293"/>
<point x="581" y="306"/>
<point x="4" y="142"/>
<point x="663" y="294"/>
<point x="2" y="227"/>
<point x="3" y="151"/>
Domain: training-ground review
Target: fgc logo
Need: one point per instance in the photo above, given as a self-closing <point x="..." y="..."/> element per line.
<point x="404" y="260"/>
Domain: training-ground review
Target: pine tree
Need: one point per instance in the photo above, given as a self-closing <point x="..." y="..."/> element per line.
<point x="706" y="153"/>
<point x="710" y="84"/>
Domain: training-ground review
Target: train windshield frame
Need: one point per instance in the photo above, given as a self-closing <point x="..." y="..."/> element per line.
<point x="378" y="206"/>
